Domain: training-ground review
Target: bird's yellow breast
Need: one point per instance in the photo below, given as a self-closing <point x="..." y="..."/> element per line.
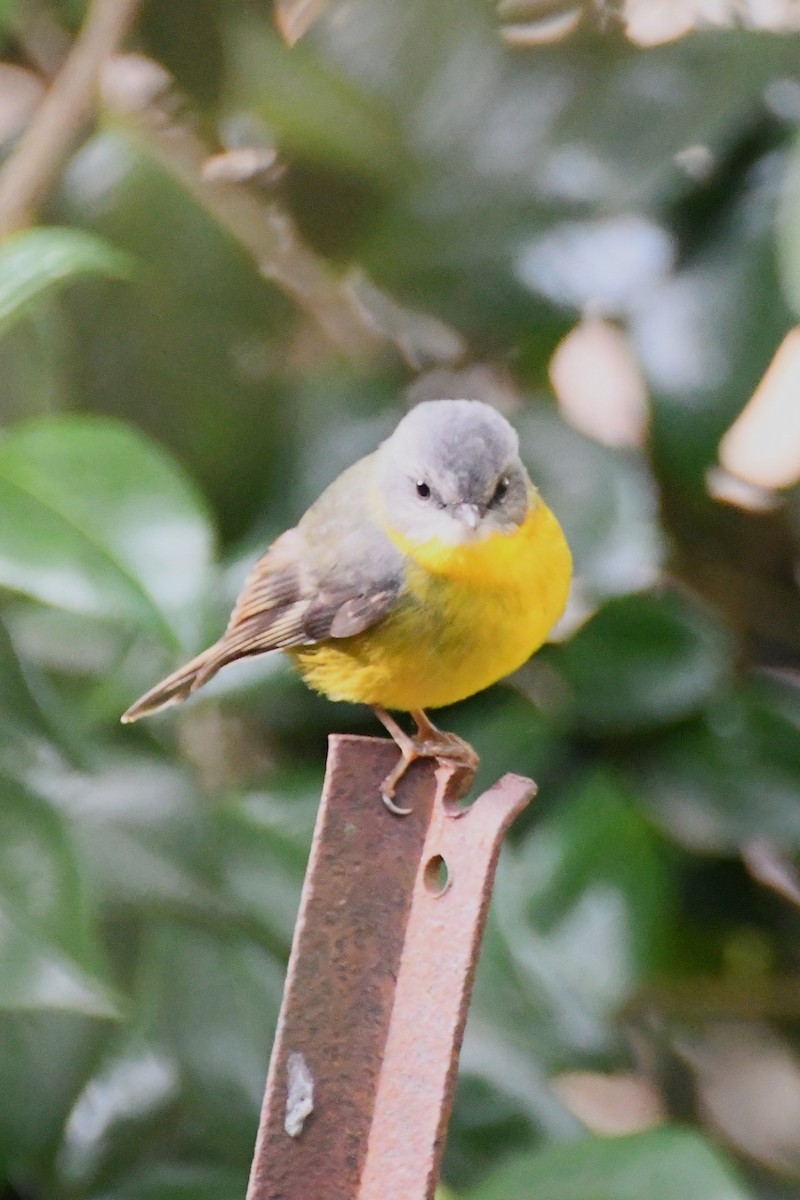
<point x="467" y="615"/>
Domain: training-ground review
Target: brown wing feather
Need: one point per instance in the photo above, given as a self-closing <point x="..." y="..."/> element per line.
<point x="281" y="605"/>
<point x="279" y="580"/>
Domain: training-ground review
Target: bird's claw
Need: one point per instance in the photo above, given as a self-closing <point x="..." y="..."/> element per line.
<point x="390" y="804"/>
<point x="447" y="748"/>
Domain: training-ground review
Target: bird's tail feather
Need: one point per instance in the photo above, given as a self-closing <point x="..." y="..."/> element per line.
<point x="179" y="684"/>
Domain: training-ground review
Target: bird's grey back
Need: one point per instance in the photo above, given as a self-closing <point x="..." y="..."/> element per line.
<point x="345" y="542"/>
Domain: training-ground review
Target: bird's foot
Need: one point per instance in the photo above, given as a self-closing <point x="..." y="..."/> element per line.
<point x="447" y="748"/>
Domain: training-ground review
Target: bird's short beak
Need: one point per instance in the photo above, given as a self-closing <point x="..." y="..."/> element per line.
<point x="470" y="515"/>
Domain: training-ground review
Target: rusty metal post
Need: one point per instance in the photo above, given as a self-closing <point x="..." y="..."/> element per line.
<point x="363" y="1067"/>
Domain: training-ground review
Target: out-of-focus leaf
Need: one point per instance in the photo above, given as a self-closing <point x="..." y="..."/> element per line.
<point x="48" y="956"/>
<point x="212" y="1002"/>
<point x="20" y="708"/>
<point x="39" y="870"/>
<point x="660" y="1165"/>
<point x="607" y="136"/>
<point x="644" y="661"/>
<point x="589" y="887"/>
<point x="99" y="521"/>
<point x="484" y="1117"/>
<point x="45" y="1057"/>
<point x="608" y="262"/>
<point x="581" y="914"/>
<point x="201" y="343"/>
<point x="604" y="498"/>
<point x="35" y="973"/>
<point x="706" y="334"/>
<point x="730" y="778"/>
<point x="183" y="1083"/>
<point x="317" y="111"/>
<point x="176" y="1182"/>
<point x="34" y="725"/>
<point x="141" y="831"/>
<point x="38" y="261"/>
<point x="188" y="40"/>
<point x="596" y="843"/>
<point x="608" y="123"/>
<point x="131" y="1092"/>
<point x="504" y="1065"/>
<point x="65" y="654"/>
<point x="510" y="734"/>
<point x="623" y="142"/>
<point x="264" y="840"/>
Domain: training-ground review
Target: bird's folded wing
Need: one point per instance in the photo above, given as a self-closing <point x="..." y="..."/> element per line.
<point x="284" y="603"/>
<point x="304" y="590"/>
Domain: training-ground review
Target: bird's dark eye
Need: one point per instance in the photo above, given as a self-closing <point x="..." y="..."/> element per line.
<point x="423" y="489"/>
<point x="501" y="489"/>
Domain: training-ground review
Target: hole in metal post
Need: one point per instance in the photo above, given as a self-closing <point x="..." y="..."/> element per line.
<point x="436" y="876"/>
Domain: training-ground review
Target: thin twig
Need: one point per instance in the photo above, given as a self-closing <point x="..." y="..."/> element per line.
<point x="295" y="17"/>
<point x="29" y="174"/>
<point x="772" y="868"/>
<point x="354" y="314"/>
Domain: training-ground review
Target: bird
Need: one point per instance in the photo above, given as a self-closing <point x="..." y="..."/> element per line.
<point x="427" y="571"/>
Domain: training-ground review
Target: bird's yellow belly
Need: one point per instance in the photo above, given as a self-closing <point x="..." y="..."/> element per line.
<point x="467" y="616"/>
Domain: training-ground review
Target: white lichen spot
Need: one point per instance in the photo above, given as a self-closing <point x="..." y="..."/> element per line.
<point x="299" y="1094"/>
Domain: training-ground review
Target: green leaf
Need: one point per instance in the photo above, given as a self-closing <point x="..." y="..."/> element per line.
<point x="220" y="1034"/>
<point x="21" y="707"/>
<point x="510" y="734"/>
<point x="139" y="827"/>
<point x="596" y="843"/>
<point x="644" y="661"/>
<point x="35" y="973"/>
<point x="185" y="1076"/>
<point x="264" y="840"/>
<point x="605" y="500"/>
<point x="7" y="8"/>
<point x="39" y="871"/>
<point x="177" y="1182"/>
<point x="731" y="777"/>
<point x="126" y="1101"/>
<point x="658" y="1165"/>
<point x="40" y="261"/>
<point x="45" y="1057"/>
<point x="581" y="915"/>
<point x="34" y="724"/>
<point x="98" y="520"/>
<point x="317" y="111"/>
<point x="196" y="348"/>
<point x="48" y="954"/>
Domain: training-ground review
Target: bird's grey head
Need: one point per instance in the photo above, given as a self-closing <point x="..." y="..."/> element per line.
<point x="451" y="470"/>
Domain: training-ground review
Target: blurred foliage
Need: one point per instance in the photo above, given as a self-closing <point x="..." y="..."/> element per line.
<point x="175" y="393"/>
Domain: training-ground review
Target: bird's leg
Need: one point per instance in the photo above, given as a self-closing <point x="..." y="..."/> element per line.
<point x="408" y="752"/>
<point x="446" y="747"/>
<point x="429" y="742"/>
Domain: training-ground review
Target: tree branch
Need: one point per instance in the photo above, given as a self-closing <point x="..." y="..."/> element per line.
<point x="29" y="174"/>
<point x="355" y="315"/>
